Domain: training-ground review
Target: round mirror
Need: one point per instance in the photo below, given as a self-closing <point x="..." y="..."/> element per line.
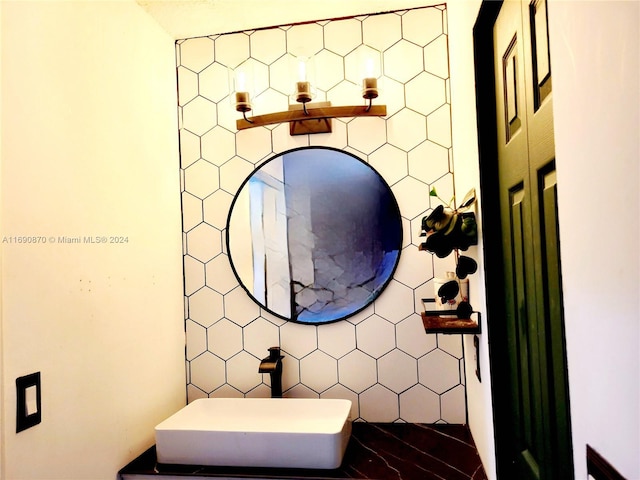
<point x="314" y="235"/>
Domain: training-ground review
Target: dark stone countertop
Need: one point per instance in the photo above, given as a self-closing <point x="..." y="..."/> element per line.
<point x="381" y="451"/>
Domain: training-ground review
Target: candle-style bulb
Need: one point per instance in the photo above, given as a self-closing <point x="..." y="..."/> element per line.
<point x="370" y="80"/>
<point x="302" y="92"/>
<point x="242" y="95"/>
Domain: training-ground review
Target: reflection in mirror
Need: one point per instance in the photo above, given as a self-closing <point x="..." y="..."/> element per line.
<point x="314" y="235"/>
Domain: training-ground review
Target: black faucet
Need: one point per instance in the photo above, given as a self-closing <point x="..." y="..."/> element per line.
<point x="273" y="366"/>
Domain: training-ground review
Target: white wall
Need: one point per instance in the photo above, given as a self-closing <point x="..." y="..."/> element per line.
<point x="594" y="59"/>
<point x="462" y="18"/>
<point x="89" y="148"/>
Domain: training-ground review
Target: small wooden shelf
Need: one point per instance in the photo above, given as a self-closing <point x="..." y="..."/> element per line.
<point x="440" y="322"/>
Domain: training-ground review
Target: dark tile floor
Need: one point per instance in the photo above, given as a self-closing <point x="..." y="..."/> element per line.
<point x="381" y="451"/>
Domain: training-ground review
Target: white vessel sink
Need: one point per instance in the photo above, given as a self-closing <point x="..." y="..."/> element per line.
<point x="257" y="432"/>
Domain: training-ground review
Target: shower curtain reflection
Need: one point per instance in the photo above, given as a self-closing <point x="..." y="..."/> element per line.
<point x="325" y="235"/>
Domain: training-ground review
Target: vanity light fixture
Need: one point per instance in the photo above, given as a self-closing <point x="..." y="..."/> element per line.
<point x="303" y="116"/>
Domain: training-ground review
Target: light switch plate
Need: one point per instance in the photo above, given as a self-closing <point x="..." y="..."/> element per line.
<point x="29" y="401"/>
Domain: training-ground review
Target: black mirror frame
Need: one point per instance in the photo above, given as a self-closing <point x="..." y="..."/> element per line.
<point x="386" y="281"/>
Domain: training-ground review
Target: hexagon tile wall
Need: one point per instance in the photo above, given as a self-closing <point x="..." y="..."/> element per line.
<point x="381" y="358"/>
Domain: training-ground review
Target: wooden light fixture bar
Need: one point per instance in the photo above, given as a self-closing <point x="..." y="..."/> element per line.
<point x="315" y="119"/>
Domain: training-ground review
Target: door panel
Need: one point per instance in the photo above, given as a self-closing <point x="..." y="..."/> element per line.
<point x="540" y="446"/>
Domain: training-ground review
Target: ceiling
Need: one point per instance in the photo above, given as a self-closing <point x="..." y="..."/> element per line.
<point x="197" y="18"/>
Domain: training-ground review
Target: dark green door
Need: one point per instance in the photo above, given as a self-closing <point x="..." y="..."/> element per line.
<point x="540" y="443"/>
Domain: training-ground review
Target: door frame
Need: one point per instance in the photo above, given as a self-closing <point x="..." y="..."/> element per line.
<point x="491" y="229"/>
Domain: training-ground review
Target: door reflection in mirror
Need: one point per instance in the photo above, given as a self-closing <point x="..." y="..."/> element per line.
<point x="314" y="235"/>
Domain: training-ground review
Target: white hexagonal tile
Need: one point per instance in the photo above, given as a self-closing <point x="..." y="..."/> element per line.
<point x="270" y="101"/>
<point x="410" y="194"/>
<point x="219" y="276"/>
<point x="242" y="372"/>
<point x="271" y="318"/>
<point x="191" y="211"/>
<point x="204" y="242"/>
<point x="423" y="291"/>
<point x="428" y="162"/>
<point x="420" y="405"/>
<point x="452" y="344"/>
<point x="233" y="173"/>
<point x="268" y="45"/>
<point x="453" y="406"/>
<point x="376" y="336"/>
<point x="436" y="59"/>
<point x="201" y="179"/>
<point x="193" y="393"/>
<point x="205" y="307"/>
<point x="415" y="267"/>
<point x="345" y="93"/>
<point x="337" y="339"/>
<point x="342" y="36"/>
<point x="216" y="208"/>
<point x="357" y="371"/>
<point x="199" y="115"/>
<point x="280" y="76"/>
<point x="406" y="232"/>
<point x="224" y="339"/>
<point x="187" y="85"/>
<point x="379" y="404"/>
<point x="439" y="126"/>
<point x="298" y="339"/>
<point x="227" y="115"/>
<point x="367" y="133"/>
<point x="207" y="372"/>
<point x="318" y="371"/>
<point x="193" y="275"/>
<point x="256" y="74"/>
<point x="340" y="391"/>
<point x="425" y="93"/>
<point x="218" y="145"/>
<point x="444" y="188"/>
<point x="290" y="372"/>
<point x="415" y="228"/>
<point x="305" y="40"/>
<point x="390" y="162"/>
<point x="411" y="337"/>
<point x="196" y="339"/>
<point x="422" y="25"/>
<point x="406" y="129"/>
<point x="381" y="31"/>
<point x="259" y="336"/>
<point x="213" y="82"/>
<point x="300" y="391"/>
<point x="403" y="61"/>
<point x="438" y="371"/>
<point x="397" y="371"/>
<point x="392" y="95"/>
<point x="283" y="140"/>
<point x="196" y="53"/>
<point x="330" y="70"/>
<point x="395" y="303"/>
<point x="261" y="391"/>
<point x="239" y="308"/>
<point x="362" y="315"/>
<point x="232" y="49"/>
<point x="355" y="64"/>
<point x="337" y="138"/>
<point x="226" y="391"/>
<point x="189" y="148"/>
<point x="254" y="144"/>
